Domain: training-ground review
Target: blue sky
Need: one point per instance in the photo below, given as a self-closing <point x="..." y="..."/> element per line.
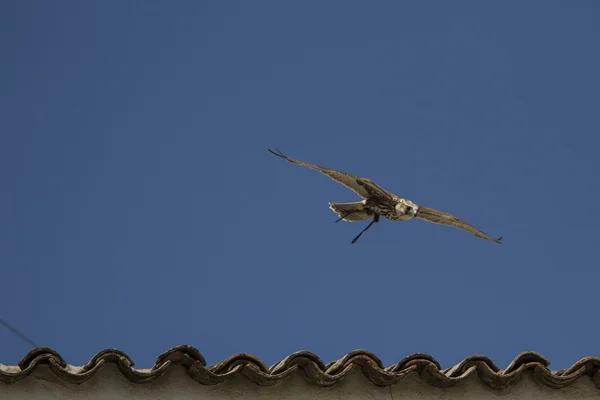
<point x="140" y="208"/>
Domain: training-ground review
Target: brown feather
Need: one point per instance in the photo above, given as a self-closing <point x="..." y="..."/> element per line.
<point x="362" y="186"/>
<point x="440" y="217"/>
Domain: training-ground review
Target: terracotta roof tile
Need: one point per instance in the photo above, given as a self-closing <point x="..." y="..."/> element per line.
<point x="317" y="372"/>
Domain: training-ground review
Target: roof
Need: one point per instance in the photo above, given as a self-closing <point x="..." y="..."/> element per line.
<point x="317" y="372"/>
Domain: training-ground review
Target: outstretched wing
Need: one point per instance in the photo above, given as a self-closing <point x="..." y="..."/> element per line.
<point x="440" y="217"/>
<point x="362" y="186"/>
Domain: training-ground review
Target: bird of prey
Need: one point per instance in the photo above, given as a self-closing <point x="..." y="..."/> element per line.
<point x="379" y="202"/>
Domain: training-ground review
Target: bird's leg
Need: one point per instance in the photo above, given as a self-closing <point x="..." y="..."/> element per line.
<point x="375" y="219"/>
<point x="344" y="216"/>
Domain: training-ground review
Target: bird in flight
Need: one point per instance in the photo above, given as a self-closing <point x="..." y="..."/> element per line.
<point x="378" y="202"/>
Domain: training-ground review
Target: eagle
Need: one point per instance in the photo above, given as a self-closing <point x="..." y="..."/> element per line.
<point x="378" y="202"/>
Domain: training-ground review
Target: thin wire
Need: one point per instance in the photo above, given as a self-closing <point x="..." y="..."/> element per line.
<point x="17" y="332"/>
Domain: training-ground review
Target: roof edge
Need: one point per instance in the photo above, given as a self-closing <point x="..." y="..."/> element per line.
<point x="317" y="372"/>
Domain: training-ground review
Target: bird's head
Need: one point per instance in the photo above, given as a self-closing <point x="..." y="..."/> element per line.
<point x="406" y="208"/>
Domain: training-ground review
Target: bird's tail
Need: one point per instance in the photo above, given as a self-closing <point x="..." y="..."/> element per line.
<point x="350" y="211"/>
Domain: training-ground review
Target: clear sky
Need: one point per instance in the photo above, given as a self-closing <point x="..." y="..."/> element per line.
<point x="141" y="210"/>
